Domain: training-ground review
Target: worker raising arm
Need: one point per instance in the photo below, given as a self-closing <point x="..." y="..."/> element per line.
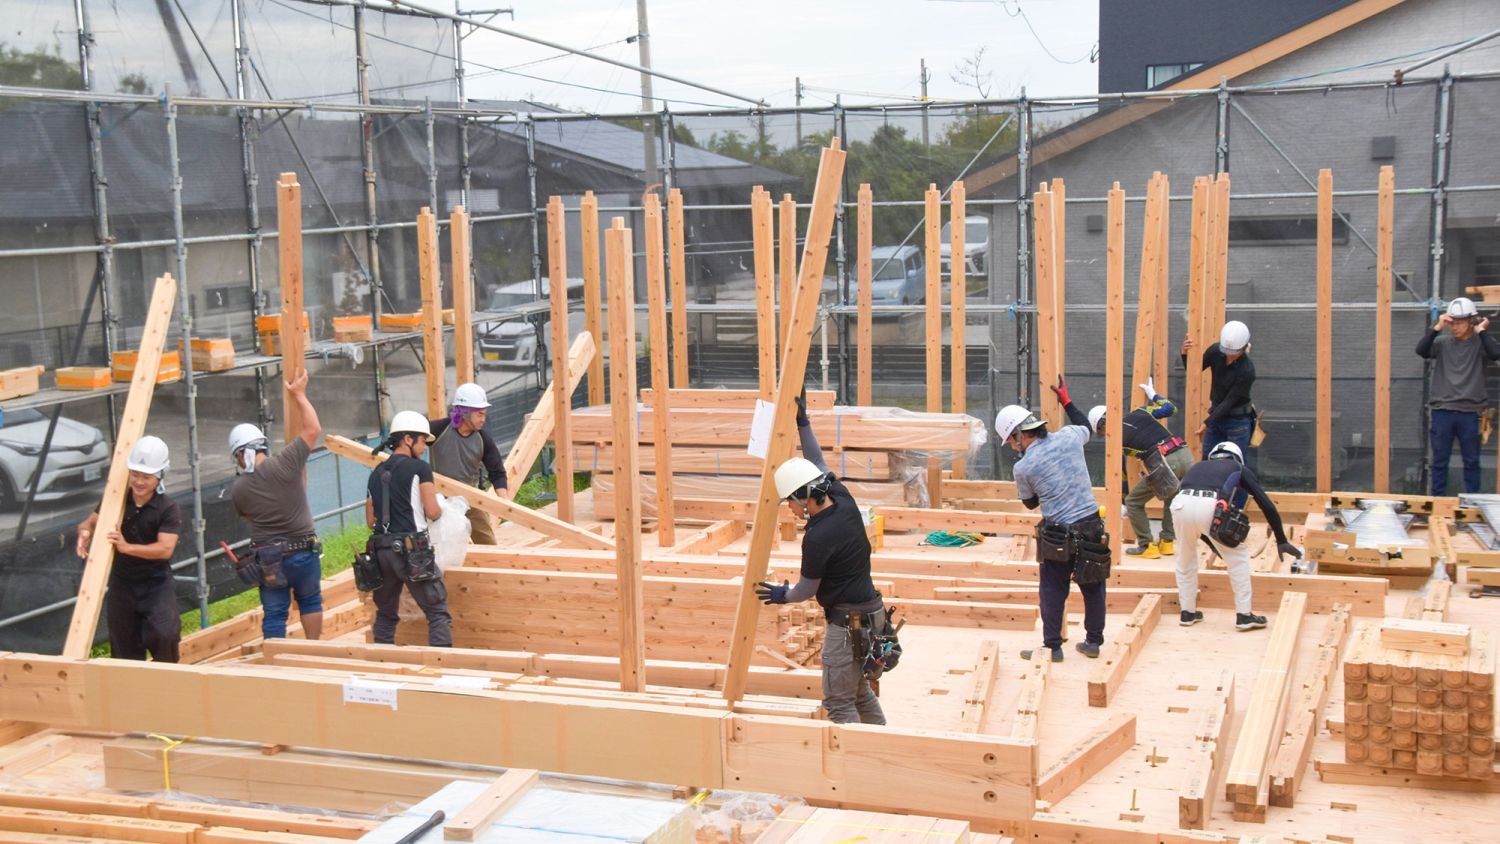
<point x="464" y="451"/>
<point x="1165" y="458"/>
<point x="1456" y="393"/>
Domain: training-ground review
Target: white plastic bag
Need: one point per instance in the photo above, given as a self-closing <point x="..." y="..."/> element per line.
<point x="449" y="532"/>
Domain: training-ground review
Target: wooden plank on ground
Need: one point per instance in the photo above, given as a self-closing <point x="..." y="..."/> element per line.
<point x="593" y="315"/>
<point x="1195" y="801"/>
<point x="620" y="265"/>
<point x="293" y="325"/>
<point x="459" y="240"/>
<point x="1385" y="226"/>
<point x="433" y="359"/>
<point x="97" y="565"/>
<point x="582" y="355"/>
<point x="678" y="268"/>
<point x="1090" y="755"/>
<point x="562" y="400"/>
<point x="471" y="821"/>
<point x="1323" y="441"/>
<point x="711" y="538"/>
<point x="986" y="666"/>
<point x="1033" y="688"/>
<point x="764" y="239"/>
<point x="1246" y="782"/>
<point x="1114" y="368"/>
<point x="1308" y="703"/>
<point x="661" y="415"/>
<point x="1348" y="773"/>
<point x="1120" y="654"/>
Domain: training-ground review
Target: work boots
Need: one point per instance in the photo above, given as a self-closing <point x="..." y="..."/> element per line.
<point x="1189" y="618"/>
<point x="1056" y="653"/>
<point x="1146" y="551"/>
<point x="1248" y="621"/>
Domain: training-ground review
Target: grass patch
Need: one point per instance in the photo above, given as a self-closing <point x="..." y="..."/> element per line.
<point x="541" y="490"/>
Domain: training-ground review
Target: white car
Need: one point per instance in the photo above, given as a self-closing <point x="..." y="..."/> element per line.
<point x="513" y="342"/>
<point x="976" y="245"/>
<point x="77" y="462"/>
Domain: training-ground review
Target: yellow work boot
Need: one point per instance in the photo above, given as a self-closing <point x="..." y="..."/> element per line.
<point x="1146" y="550"/>
<point x="1166" y="547"/>
<point x="1153" y="552"/>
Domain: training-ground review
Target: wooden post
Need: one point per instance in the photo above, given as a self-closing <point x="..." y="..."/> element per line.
<point x="864" y="276"/>
<point x="1386" y="218"/>
<point x="1163" y="288"/>
<point x="538" y="427"/>
<point x="763" y="228"/>
<point x="958" y="344"/>
<point x="656" y="304"/>
<point x="593" y="316"/>
<point x="1324" y="437"/>
<point x="793" y="370"/>
<point x="1146" y="316"/>
<point x="679" y="290"/>
<point x="1193" y="382"/>
<point x="1221" y="251"/>
<point x="101" y="556"/>
<point x="788" y="265"/>
<point x="620" y="266"/>
<point x="562" y="398"/>
<point x="1046" y="310"/>
<point x="1114" y="367"/>
<point x="1059" y="228"/>
<point x="432" y="314"/>
<point x="463" y="295"/>
<point x="934" y="301"/>
<point x="289" y="241"/>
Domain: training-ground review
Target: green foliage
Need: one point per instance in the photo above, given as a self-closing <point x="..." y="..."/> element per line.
<point x="541" y="490"/>
<point x="38" y="69"/>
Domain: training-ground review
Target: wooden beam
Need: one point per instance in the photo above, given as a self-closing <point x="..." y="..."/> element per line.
<point x="711" y="538"/>
<point x="1385" y="228"/>
<point x="1323" y="442"/>
<point x="854" y="428"/>
<point x="1195" y="802"/>
<point x="787" y="222"/>
<point x="1110" y="672"/>
<point x="793" y="370"/>
<point x="986" y="666"/>
<point x="593" y="316"/>
<point x="1114" y="369"/>
<point x="1090" y="755"/>
<point x="933" y="300"/>
<point x="582" y="355"/>
<point x="562" y="400"/>
<point x="656" y="320"/>
<point x="472" y="821"/>
<point x="101" y="557"/>
<point x="1047" y="337"/>
<point x="486" y="500"/>
<point x="764" y="236"/>
<point x="678" y="267"/>
<point x="1429" y="637"/>
<point x="864" y="276"/>
<point x="930" y="518"/>
<point x="1033" y="688"/>
<point x="721" y="398"/>
<point x="620" y="264"/>
<point x="459" y="239"/>
<point x="433" y="360"/>
<point x="1148" y="299"/>
<point x="1220" y="296"/>
<point x="1246" y="782"/>
<point x="1058" y="224"/>
<point x="289" y="244"/>
<point x="1163" y="286"/>
<point x="1290" y="761"/>
<point x="958" y="343"/>
<point x="1193" y="389"/>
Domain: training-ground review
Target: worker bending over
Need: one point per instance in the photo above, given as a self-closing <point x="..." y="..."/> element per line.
<point x="835" y="570"/>
<point x="1208" y="488"/>
<point x="1071" y="540"/>
<point x="1165" y="458"/>
<point x="285" y="558"/>
<point x="464" y="451"/>
<point x="141" y="606"/>
<point x="401" y="501"/>
<point x="1456" y="395"/>
<point x="1231" y="416"/>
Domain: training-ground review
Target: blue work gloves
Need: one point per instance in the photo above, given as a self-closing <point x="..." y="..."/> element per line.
<point x="770" y="593"/>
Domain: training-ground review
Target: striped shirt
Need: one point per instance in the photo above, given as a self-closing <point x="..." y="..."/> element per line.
<point x="1053" y="470"/>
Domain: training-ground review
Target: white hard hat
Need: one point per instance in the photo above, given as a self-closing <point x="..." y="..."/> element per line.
<point x="1012" y="418"/>
<point x="1234" y="337"/>
<point x="1096" y="416"/>
<point x="470" y="395"/>
<point x="246" y="435"/>
<point x="795" y="474"/>
<point x="149" y="455"/>
<point x="1462" y="307"/>
<point x="411" y="422"/>
<point x="1226" y="449"/>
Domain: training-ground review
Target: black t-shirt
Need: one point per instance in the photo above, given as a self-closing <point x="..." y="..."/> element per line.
<point x="407" y="473"/>
<point x="836" y="551"/>
<point x="142" y="526"/>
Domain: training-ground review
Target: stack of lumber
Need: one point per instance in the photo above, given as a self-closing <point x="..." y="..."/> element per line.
<point x="22" y="381"/>
<point x="1247" y="781"/>
<point x="352" y="329"/>
<point x="1308" y="703"/>
<point x="1420" y="696"/>
<point x="211" y="354"/>
<point x="268" y="327"/>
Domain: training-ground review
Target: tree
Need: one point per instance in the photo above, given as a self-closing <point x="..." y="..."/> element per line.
<point x="37" y="69"/>
<point x="970" y="73"/>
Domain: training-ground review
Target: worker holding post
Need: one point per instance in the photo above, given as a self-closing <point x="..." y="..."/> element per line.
<point x="1456" y="395"/>
<point x="1231" y="416"/>
<point x="285" y="558"/>
<point x="141" y="606"/>
<point x="860" y="642"/>
<point x="1165" y="458"/>
<point x="401" y="500"/>
<point x="1210" y="504"/>
<point x="1072" y="543"/>
<point x="464" y="451"/>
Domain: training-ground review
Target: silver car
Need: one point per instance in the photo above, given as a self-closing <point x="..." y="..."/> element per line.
<point x="77" y="462"/>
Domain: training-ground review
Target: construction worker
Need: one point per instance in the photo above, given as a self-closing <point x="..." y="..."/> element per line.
<point x="1164" y="456"/>
<point x="1231" y="416"/>
<point x="1222" y="477"/>
<point x="270" y="493"/>
<point x="401" y="500"/>
<point x="140" y="609"/>
<point x="464" y="451"/>
<point x="1456" y="395"/>
<point x="835" y="570"/>
<point x="1071" y="541"/>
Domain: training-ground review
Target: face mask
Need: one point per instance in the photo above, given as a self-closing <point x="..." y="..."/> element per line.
<point x="247" y="460"/>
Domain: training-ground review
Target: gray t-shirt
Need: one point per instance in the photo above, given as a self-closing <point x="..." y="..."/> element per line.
<point x="1054" y="471"/>
<point x="458" y="457"/>
<point x="273" y="498"/>
<point x="1458" y="373"/>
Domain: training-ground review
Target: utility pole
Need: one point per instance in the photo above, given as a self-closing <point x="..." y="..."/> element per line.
<point x="924" y="77"/>
<point x="798" y="89"/>
<point x="648" y="102"/>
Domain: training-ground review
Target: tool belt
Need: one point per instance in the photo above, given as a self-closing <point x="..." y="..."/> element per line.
<point x="1230" y="525"/>
<point x="1084" y="545"/>
<point x="1159" y="475"/>
<point x="262" y="566"/>
<point x="410" y="555"/>
<point x="876" y="651"/>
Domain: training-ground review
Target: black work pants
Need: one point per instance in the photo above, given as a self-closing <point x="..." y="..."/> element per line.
<point x="142" y="618"/>
<point x="1055" y="581"/>
<point x="431" y="596"/>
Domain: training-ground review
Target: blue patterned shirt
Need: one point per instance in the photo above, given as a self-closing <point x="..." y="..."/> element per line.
<point x="1053" y="470"/>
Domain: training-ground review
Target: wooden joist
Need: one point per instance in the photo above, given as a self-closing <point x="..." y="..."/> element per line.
<point x="677" y="265"/>
<point x="1115" y="395"/>
<point x="1323" y="437"/>
<point x="763" y="238"/>
<point x="1107" y="676"/>
<point x="433" y="359"/>
<point x="562" y="400"/>
<point x="929" y="519"/>
<point x="1385" y="228"/>
<point x="459" y="240"/>
<point x="593" y="311"/>
<point x="1090" y="755"/>
<point x="1033" y="688"/>
<point x="1246" y="782"/>
<point x="986" y="666"/>
<point x="864" y="278"/>
<point x="845" y="427"/>
<point x="710" y="460"/>
<point x="711" y="538"/>
<point x="293" y="319"/>
<point x="630" y="637"/>
<point x="1195" y="802"/>
<point x="582" y="356"/>
<point x="717" y="398"/>
<point x="1307" y="707"/>
<point x="472" y="821"/>
<point x="661" y="415"/>
<point x="206" y="815"/>
<point x="1432" y="637"/>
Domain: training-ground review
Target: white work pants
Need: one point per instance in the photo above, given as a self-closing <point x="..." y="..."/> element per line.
<point x="1192" y="516"/>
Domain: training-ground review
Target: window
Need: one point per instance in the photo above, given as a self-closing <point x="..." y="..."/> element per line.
<point x="1486" y="269"/>
<point x="1282" y="231"/>
<point x="1157" y="74"/>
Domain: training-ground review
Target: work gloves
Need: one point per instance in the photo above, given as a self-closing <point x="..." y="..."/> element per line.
<point x="1149" y="388"/>
<point x="1062" y="391"/>
<point x="1285" y="548"/>
<point x="802" y="420"/>
<point x="770" y="593"/>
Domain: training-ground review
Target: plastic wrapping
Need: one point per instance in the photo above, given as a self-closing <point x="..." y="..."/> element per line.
<point x="450" y="531"/>
<point x="911" y="466"/>
<point x="740" y="816"/>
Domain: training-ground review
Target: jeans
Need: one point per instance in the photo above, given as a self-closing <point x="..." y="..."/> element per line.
<point x="431" y="596"/>
<point x="847" y="695"/>
<point x="1446" y="425"/>
<point x="1194" y="515"/>
<point x="142" y="618"/>
<point x="1236" y="429"/>
<point x="304" y="575"/>
<point x="1180" y="461"/>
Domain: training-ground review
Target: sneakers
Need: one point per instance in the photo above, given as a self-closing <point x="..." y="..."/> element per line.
<point x="1248" y="621"/>
<point x="1188" y="619"/>
<point x="1088" y="649"/>
<point x="1148" y="551"/>
<point x="1167" y="547"/>
<point x="1057" y="654"/>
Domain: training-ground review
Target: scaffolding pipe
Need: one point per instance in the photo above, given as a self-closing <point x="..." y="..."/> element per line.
<point x="536" y="247"/>
<point x="1439" y="221"/>
<point x="1023" y="249"/>
<point x="1221" y="135"/>
<point x="102" y="235"/>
